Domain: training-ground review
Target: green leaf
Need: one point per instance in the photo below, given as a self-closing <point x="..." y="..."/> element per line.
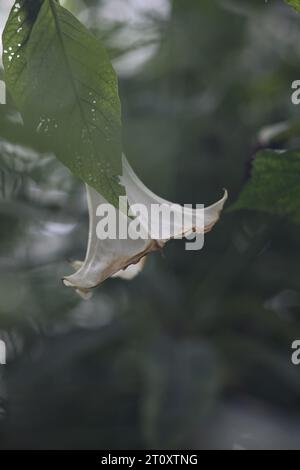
<point x="15" y="41"/>
<point x="274" y="186"/>
<point x="67" y="90"/>
<point x="295" y="4"/>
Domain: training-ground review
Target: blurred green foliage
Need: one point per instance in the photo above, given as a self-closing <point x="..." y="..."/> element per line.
<point x="275" y="185"/>
<point x="194" y="353"/>
<point x="295" y="4"/>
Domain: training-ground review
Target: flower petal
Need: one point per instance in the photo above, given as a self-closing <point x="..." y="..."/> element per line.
<point x="132" y="271"/>
<point x="125" y="258"/>
<point x="105" y="258"/>
<point x="137" y="192"/>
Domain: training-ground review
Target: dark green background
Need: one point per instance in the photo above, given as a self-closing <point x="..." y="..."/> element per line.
<point x="195" y="353"/>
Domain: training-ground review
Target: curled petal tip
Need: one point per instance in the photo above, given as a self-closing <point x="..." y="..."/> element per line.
<point x="85" y="294"/>
<point x="131" y="271"/>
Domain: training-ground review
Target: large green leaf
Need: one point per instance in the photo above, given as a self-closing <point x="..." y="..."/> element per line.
<point x="274" y="186"/>
<point x="15" y="41"/>
<point x="62" y="80"/>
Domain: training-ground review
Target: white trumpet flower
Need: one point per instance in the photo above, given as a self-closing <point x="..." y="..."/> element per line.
<point x="125" y="258"/>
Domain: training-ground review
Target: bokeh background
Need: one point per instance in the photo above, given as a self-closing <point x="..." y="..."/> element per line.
<point x="195" y="353"/>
